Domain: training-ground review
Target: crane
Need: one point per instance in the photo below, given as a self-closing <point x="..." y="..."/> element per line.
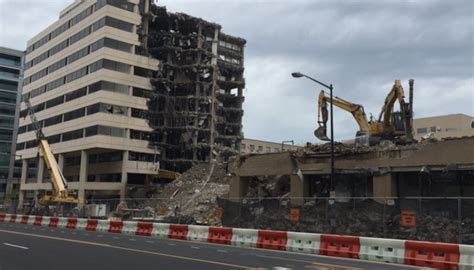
<point x="60" y="192"/>
<point x="390" y="125"/>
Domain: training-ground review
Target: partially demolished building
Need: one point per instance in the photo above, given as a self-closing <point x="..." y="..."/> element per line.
<point x="195" y="109"/>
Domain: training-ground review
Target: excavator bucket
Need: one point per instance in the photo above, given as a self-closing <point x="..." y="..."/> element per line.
<point x="320" y="133"/>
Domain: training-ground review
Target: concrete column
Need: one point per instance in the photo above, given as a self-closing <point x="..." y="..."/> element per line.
<point x="238" y="187"/>
<point x="298" y="189"/>
<point x="40" y="173"/>
<point x="124" y="175"/>
<point x="24" y="175"/>
<point x="83" y="172"/>
<point x="385" y="186"/>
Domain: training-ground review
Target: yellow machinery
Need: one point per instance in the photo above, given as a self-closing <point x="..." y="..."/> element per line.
<point x="391" y="125"/>
<point x="60" y="193"/>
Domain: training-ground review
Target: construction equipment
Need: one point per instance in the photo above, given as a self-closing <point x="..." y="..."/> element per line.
<point x="390" y="125"/>
<point x="60" y="193"/>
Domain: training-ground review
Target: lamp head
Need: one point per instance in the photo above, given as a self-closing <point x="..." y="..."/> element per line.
<point x="297" y="74"/>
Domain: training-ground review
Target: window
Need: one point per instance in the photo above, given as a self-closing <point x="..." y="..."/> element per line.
<point x="432" y="129"/>
<point x="60" y="29"/>
<point x="143" y="72"/>
<point x="138" y="113"/>
<point x="472" y="124"/>
<point x="78" y="55"/>
<point x="135" y="156"/>
<point x="6" y="135"/>
<point x="81" y="16"/>
<point x="118" y="45"/>
<point x="117" y="66"/>
<point x="121" y="4"/>
<point x="8" y="85"/>
<point x="422" y="130"/>
<point x="31" y="144"/>
<point x="54" y="102"/>
<point x="72" y="135"/>
<point x="92" y="131"/>
<point x="85" y="32"/>
<point x="74" y="114"/>
<point x="22" y="130"/>
<point x="452" y="129"/>
<point x="76" y="94"/>
<point x="109" y="86"/>
<point x="7" y="109"/>
<point x="140" y="92"/>
<point x="111" y="131"/>
<point x="268" y="149"/>
<point x="61" y="46"/>
<point x="54" y="139"/>
<point x="98" y="24"/>
<point x="53" y="120"/>
<point x="55" y="84"/>
<point x="252" y="148"/>
<point x="119" y="24"/>
<point x="8" y="97"/>
<point x="260" y="148"/>
<point x="61" y="63"/>
<point x="97" y="45"/>
<point x="76" y="74"/>
<point x="6" y="122"/>
<point x="106" y="108"/>
<point x="242" y="147"/>
<point x="20" y="146"/>
<point x="72" y="161"/>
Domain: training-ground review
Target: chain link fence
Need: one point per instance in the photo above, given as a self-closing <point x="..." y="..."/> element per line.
<point x="426" y="219"/>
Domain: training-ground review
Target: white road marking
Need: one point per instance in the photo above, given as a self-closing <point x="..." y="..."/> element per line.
<point x="86" y="234"/>
<point x="63" y="232"/>
<point x="171" y="244"/>
<point x="52" y="230"/>
<point x="193" y="247"/>
<point x="221" y="250"/>
<point x="115" y="237"/>
<point x="15" y="246"/>
<point x="42" y="229"/>
<point x="151" y="242"/>
<point x="74" y="232"/>
<point x="100" y="235"/>
<point x="132" y="239"/>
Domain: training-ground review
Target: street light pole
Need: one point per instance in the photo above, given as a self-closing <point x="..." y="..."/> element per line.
<point x="330" y="87"/>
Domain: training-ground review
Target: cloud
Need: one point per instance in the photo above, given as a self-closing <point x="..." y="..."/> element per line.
<point x="359" y="46"/>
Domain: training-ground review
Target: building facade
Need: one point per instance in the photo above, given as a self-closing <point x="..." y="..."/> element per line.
<point x="11" y="70"/>
<point x="116" y="101"/>
<point x="251" y="146"/>
<point x="444" y="126"/>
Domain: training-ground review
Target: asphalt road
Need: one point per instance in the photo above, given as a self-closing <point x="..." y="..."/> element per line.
<point x="36" y="248"/>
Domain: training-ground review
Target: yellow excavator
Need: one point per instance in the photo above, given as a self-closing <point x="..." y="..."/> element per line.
<point x="390" y="125"/>
<point x="60" y="193"/>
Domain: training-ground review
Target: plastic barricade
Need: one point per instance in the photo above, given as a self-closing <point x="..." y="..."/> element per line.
<point x="244" y="237"/>
<point x="62" y="222"/>
<point x="19" y="218"/>
<point x="2" y="217"/>
<point x="45" y="221"/>
<point x="220" y="235"/>
<point x="7" y="218"/>
<point x="92" y="225"/>
<point x="144" y="228"/>
<point x="272" y="239"/>
<point x="198" y="233"/>
<point x="53" y="222"/>
<point x="178" y="231"/>
<point x="81" y="224"/>
<point x="160" y="230"/>
<point x="382" y="250"/>
<point x="466" y="261"/>
<point x="434" y="255"/>
<point x="115" y="226"/>
<point x="303" y="242"/>
<point x="38" y="221"/>
<point x="71" y="223"/>
<point x="12" y="218"/>
<point x="339" y="246"/>
<point x="129" y="227"/>
<point x="103" y="225"/>
<point x="24" y="219"/>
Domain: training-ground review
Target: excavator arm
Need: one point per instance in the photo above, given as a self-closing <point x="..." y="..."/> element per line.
<point x="356" y="110"/>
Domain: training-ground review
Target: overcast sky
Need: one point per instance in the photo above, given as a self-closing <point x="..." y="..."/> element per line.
<point x="359" y="46"/>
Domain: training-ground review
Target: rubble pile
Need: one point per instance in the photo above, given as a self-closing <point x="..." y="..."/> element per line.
<point x="195" y="193"/>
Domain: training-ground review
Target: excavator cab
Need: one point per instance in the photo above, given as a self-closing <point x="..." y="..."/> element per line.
<point x="398" y="122"/>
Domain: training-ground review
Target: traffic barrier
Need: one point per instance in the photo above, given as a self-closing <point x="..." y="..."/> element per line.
<point x="161" y="230"/>
<point x="272" y="239"/>
<point x="12" y="218"/>
<point x="178" y="231"/>
<point x="220" y="235"/>
<point x="2" y="217"/>
<point x="144" y="228"/>
<point x="45" y="221"/>
<point x="24" y="219"/>
<point x="382" y="250"/>
<point x="244" y="237"/>
<point x="38" y="221"/>
<point x="103" y="225"/>
<point x="303" y="242"/>
<point x="115" y="226"/>
<point x="92" y="224"/>
<point x="339" y="246"/>
<point x="198" y="233"/>
<point x="81" y="224"/>
<point x="7" y="218"/>
<point x="71" y="223"/>
<point x="434" y="255"/>
<point x="129" y="227"/>
<point x="62" y="222"/>
<point x="53" y="222"/>
<point x="466" y="261"/>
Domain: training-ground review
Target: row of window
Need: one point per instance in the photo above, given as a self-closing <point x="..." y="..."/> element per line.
<point x="78" y="113"/>
<point x="105" y="21"/>
<point x="102" y="63"/>
<point x="79" y="17"/>
<point x="113" y="156"/>
<point x="7" y="97"/>
<point x="92" y="88"/>
<point x="8" y="85"/>
<point x="76" y="134"/>
<point x="230" y="46"/>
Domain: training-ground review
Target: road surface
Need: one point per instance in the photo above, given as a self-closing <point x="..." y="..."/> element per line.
<point x="36" y="248"/>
